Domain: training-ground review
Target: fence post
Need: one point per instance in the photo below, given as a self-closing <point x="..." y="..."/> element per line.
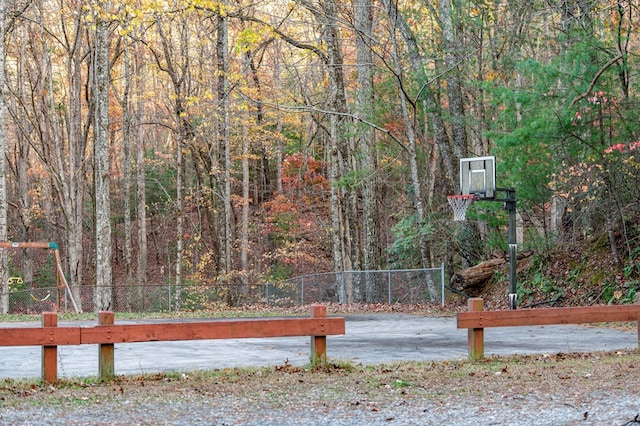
<point x="442" y="282"/>
<point x="49" y="353"/>
<point x="638" y="324"/>
<point x="476" y="335"/>
<point x="106" y="351"/>
<point x="318" y="354"/>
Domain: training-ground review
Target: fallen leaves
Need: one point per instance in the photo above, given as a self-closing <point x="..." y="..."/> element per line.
<point x="371" y="389"/>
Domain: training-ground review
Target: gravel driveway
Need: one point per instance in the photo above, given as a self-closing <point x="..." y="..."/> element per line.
<point x="561" y="389"/>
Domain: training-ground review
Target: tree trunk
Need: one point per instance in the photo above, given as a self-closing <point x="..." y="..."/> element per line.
<point x="67" y="159"/>
<point x="337" y="104"/>
<point x="244" y="233"/>
<point x="141" y="189"/>
<point x="224" y="142"/>
<point x="452" y="56"/>
<point x="479" y="275"/>
<point x="179" y="215"/>
<point x="22" y="164"/>
<point x="364" y="103"/>
<point x="262" y="178"/>
<point x="4" y="260"/>
<point x="126" y="168"/>
<point x="279" y="136"/>
<point x="103" y="291"/>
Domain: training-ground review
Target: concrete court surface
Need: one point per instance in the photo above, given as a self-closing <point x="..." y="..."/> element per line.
<point x="369" y="339"/>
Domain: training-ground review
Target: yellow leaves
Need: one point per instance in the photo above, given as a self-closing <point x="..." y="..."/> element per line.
<point x="492" y="75"/>
<point x="579" y="183"/>
<point x="211" y="5"/>
<point x="247" y="39"/>
<point x="153" y="5"/>
<point x="393" y="162"/>
<point x="126" y="15"/>
<point x="192" y="100"/>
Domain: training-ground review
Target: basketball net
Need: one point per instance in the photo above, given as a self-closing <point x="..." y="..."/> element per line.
<point x="460" y="204"/>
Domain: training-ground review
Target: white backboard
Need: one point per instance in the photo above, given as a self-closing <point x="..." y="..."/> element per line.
<point x="478" y="177"/>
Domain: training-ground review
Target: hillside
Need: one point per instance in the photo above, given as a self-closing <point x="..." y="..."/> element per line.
<point x="578" y="274"/>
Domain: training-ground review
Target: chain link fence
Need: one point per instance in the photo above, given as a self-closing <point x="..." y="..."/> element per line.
<point x="125" y="299"/>
<point x="390" y="286"/>
<point x="408" y="286"/>
<point x="133" y="298"/>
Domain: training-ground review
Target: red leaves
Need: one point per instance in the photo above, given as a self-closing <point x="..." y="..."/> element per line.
<point x="303" y="173"/>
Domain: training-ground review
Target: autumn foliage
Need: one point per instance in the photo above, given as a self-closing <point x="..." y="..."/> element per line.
<point x="295" y="220"/>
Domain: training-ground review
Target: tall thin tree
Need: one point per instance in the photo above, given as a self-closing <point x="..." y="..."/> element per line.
<point x="366" y="134"/>
<point x="4" y="262"/>
<point x="103" y="291"/>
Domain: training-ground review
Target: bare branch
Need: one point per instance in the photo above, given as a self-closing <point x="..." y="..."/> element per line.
<point x="595" y="80"/>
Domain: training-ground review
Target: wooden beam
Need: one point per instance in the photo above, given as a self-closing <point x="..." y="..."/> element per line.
<point x="197" y="330"/>
<point x="39" y="336"/>
<point x="106" y="334"/>
<point x="548" y="316"/>
<point x="201" y="330"/>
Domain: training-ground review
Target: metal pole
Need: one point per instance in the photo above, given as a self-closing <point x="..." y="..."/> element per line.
<point x="302" y="291"/>
<point x="510" y="205"/>
<point x="61" y="278"/>
<point x="266" y="292"/>
<point x="442" y="282"/>
<point x="388" y="287"/>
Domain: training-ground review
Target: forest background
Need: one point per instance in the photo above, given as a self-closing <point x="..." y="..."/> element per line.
<point x="224" y="144"/>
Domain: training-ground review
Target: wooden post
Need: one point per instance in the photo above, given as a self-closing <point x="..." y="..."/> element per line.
<point x="476" y="335"/>
<point x="106" y="354"/>
<point x="50" y="353"/>
<point x="639" y="324"/>
<point x="318" y="354"/>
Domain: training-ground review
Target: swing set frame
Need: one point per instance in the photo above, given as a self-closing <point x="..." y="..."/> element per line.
<point x="61" y="281"/>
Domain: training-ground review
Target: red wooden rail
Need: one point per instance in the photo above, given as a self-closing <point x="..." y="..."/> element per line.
<point x="476" y="320"/>
<point x="106" y="334"/>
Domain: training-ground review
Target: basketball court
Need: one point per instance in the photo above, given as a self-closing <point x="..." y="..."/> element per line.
<point x="369" y="339"/>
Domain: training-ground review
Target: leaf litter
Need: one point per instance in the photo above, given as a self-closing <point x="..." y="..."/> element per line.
<point x="343" y="392"/>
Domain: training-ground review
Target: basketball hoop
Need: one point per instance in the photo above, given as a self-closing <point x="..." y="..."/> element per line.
<point x="460" y="204"/>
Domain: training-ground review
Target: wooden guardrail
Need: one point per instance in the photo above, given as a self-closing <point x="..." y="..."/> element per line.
<point x="476" y="320"/>
<point x="318" y="326"/>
